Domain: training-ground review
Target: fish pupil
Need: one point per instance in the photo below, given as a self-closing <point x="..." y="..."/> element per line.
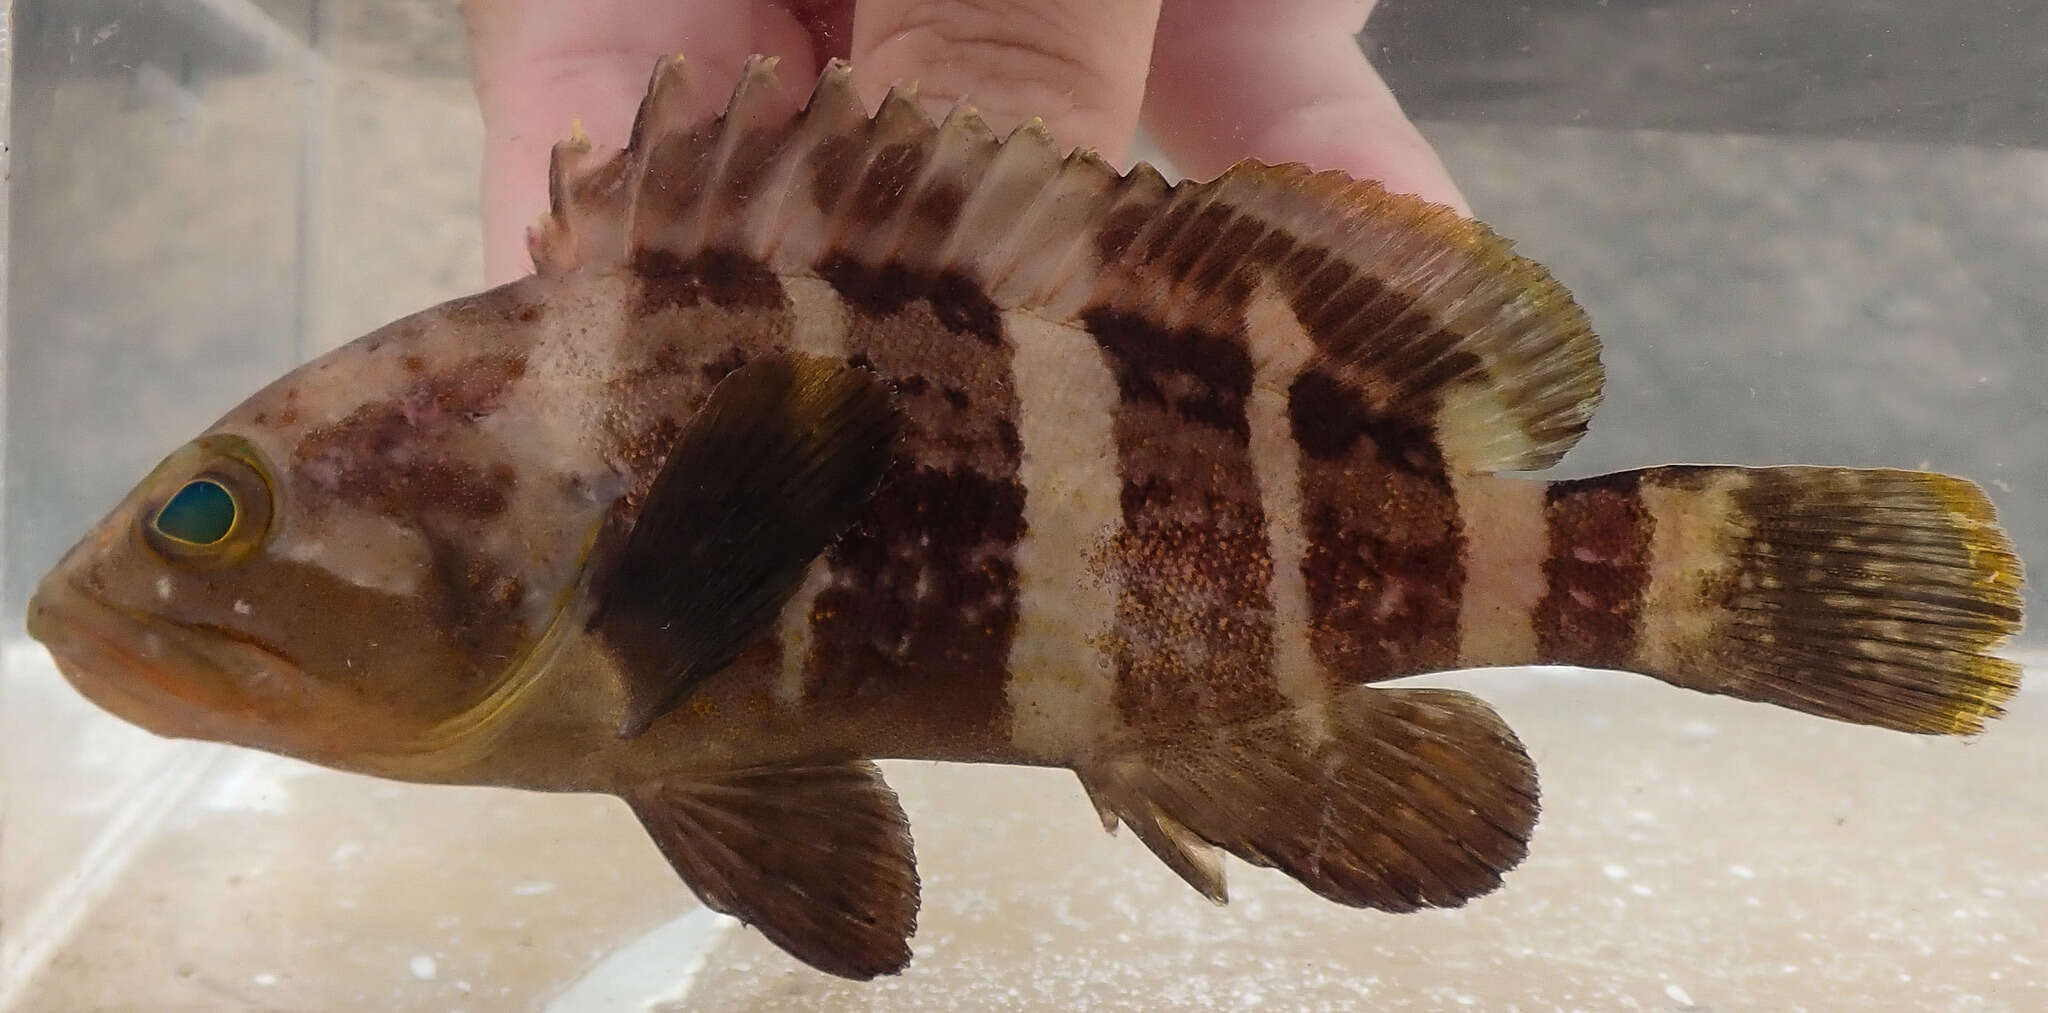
<point x="202" y="513"/>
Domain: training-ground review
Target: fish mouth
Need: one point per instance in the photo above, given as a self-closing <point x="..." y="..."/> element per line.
<point x="163" y="677"/>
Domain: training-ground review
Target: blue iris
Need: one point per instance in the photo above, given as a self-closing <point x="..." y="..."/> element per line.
<point x="203" y="512"/>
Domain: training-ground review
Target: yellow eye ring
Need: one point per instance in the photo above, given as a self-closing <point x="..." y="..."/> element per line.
<point x="219" y="510"/>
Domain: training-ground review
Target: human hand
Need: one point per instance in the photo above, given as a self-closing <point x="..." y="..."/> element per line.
<point x="1213" y="80"/>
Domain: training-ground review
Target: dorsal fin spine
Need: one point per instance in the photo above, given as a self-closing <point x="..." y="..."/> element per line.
<point x="898" y="120"/>
<point x="993" y="204"/>
<point x="1001" y="264"/>
<point x="1088" y="170"/>
<point x="963" y="146"/>
<point x="833" y="109"/>
<point x="1417" y="312"/>
<point x="1142" y="189"/>
<point x="757" y="86"/>
<point x="761" y="215"/>
<point x="884" y="239"/>
<point x="661" y="112"/>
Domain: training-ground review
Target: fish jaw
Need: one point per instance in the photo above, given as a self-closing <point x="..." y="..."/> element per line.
<point x="152" y="673"/>
<point x="205" y="682"/>
<point x="196" y="683"/>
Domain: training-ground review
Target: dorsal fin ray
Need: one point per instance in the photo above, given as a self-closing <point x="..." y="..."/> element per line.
<point x="1415" y="312"/>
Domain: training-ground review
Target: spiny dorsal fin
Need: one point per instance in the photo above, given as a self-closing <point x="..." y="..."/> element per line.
<point x="1400" y="305"/>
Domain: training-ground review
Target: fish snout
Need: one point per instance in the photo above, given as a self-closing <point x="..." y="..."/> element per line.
<point x="149" y="672"/>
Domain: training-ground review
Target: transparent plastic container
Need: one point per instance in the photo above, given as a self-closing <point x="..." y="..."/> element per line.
<point x="1811" y="236"/>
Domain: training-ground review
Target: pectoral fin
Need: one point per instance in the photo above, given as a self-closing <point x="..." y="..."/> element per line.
<point x="816" y="856"/>
<point x="778" y="463"/>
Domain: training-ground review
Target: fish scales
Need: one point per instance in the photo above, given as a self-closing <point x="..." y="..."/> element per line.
<point x="820" y="437"/>
<point x="1194" y="633"/>
<point x="921" y="599"/>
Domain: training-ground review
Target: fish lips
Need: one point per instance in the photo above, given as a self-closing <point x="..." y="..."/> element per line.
<point x="169" y="679"/>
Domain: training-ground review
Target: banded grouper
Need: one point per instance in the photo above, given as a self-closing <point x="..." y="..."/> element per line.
<point x="818" y="437"/>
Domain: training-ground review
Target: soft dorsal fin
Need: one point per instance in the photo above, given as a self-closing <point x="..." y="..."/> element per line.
<point x="1420" y="313"/>
<point x="1403" y="307"/>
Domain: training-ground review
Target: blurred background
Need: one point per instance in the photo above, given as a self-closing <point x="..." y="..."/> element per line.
<point x="1808" y="233"/>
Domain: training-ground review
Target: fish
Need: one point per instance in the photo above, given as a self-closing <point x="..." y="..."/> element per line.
<point x="819" y="436"/>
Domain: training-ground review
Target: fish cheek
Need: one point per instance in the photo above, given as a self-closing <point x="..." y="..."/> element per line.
<point x="392" y="656"/>
<point x="403" y="495"/>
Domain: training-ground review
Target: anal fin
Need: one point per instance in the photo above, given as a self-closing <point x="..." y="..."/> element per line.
<point x="817" y="856"/>
<point x="1419" y="798"/>
<point x="1193" y="859"/>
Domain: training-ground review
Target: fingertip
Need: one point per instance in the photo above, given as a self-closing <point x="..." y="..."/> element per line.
<point x="1081" y="68"/>
<point x="1362" y="140"/>
<point x="1239" y="82"/>
<point x="540" y="66"/>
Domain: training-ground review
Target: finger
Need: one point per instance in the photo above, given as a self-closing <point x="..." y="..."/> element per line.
<point x="1078" y="64"/>
<point x="828" y="23"/>
<point x="1283" y="82"/>
<point x="541" y="64"/>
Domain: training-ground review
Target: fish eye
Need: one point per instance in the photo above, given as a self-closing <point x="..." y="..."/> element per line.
<point x="202" y="513"/>
<point x="218" y="513"/>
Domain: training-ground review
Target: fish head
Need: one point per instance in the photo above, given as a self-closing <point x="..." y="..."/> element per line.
<point x="345" y="566"/>
<point x="151" y="615"/>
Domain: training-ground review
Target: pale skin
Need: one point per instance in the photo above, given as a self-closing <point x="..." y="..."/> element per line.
<point x="1211" y="81"/>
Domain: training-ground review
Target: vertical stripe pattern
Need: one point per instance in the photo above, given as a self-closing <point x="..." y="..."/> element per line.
<point x="819" y="328"/>
<point x="1690" y="516"/>
<point x="1194" y="625"/>
<point x="1280" y="350"/>
<point x="921" y="604"/>
<point x="1596" y="572"/>
<point x="1384" y="561"/>
<point x="1506" y="542"/>
<point x="1061" y="673"/>
<point x="693" y="320"/>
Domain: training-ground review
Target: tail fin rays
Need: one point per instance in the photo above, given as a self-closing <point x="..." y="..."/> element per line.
<point x="1871" y="596"/>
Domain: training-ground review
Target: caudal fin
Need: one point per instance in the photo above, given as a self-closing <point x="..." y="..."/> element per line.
<point x="1870" y="596"/>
